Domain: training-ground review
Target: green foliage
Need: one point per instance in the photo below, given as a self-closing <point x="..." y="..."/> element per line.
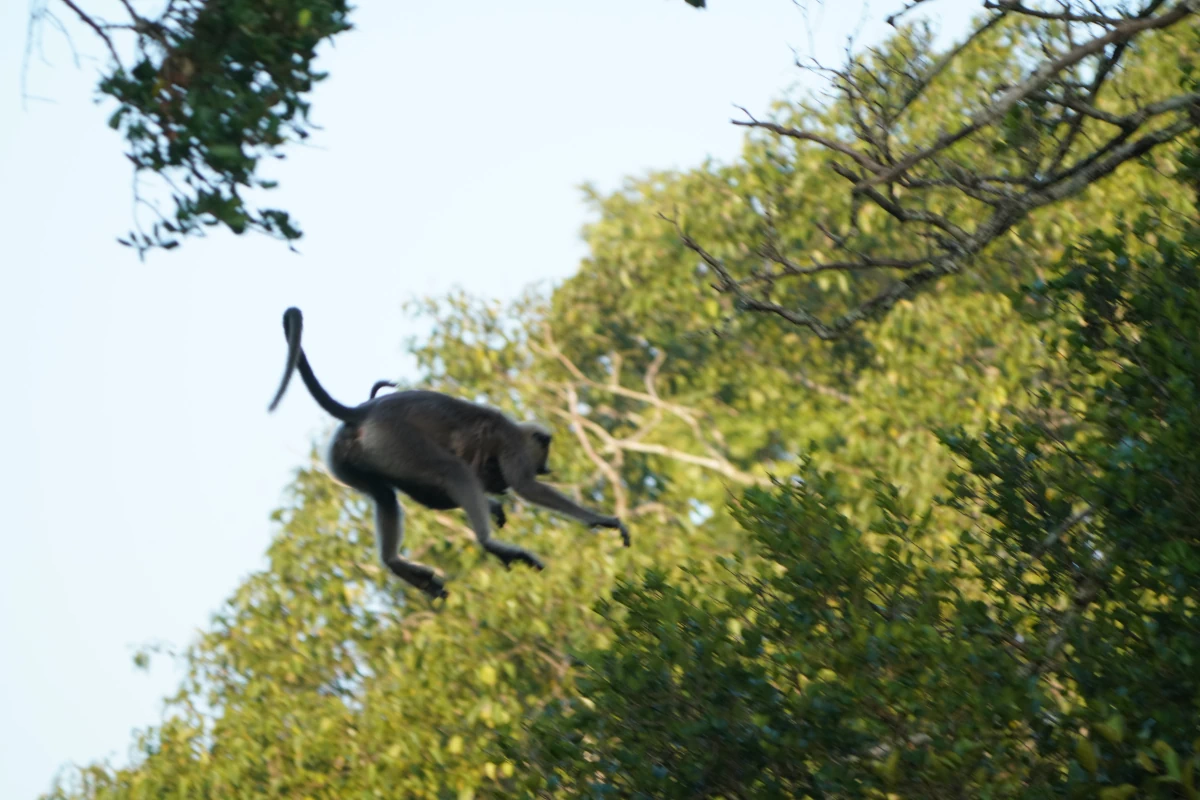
<point x="980" y="584"/>
<point x="1051" y="647"/>
<point x="785" y="686"/>
<point x="323" y="677"/>
<point x="216" y="88"/>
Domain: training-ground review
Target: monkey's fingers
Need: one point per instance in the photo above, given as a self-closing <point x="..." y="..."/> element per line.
<point x="435" y="588"/>
<point x="508" y="553"/>
<point x="528" y="559"/>
<point x="613" y="522"/>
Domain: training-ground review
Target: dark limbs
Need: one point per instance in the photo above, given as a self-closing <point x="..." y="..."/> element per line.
<point x="520" y="476"/>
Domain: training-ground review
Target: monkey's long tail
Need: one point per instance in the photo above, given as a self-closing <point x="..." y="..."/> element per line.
<point x="293" y="323"/>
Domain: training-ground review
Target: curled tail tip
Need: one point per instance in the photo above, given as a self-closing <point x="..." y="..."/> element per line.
<point x="292" y="318"/>
<point x="292" y="324"/>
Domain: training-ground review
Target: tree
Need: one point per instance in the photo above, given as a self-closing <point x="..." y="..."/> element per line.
<point x="869" y="624"/>
<point x="205" y="91"/>
<point x="1046" y="649"/>
<point x="211" y="88"/>
<point x="1081" y="89"/>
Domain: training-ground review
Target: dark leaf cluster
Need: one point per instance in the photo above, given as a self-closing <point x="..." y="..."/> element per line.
<point x="217" y="86"/>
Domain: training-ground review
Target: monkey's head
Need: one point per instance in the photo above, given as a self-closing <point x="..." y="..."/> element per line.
<point x="537" y="439"/>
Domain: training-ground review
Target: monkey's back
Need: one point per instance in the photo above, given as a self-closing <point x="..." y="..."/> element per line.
<point x="470" y="431"/>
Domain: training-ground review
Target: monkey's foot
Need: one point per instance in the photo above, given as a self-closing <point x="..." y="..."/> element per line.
<point x="613" y="522"/>
<point x="508" y="553"/>
<point x="420" y="576"/>
<point x="499" y="516"/>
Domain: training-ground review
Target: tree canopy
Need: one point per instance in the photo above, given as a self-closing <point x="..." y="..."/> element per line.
<point x="205" y="90"/>
<point x="944" y="547"/>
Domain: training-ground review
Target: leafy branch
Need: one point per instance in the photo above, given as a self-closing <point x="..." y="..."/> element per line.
<point x="206" y="90"/>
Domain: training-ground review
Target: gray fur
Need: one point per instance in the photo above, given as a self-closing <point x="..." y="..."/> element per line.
<point x="442" y="452"/>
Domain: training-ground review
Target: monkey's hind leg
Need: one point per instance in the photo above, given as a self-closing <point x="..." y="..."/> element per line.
<point x="347" y="464"/>
<point x="464" y="487"/>
<point x="404" y="455"/>
<point x="389" y="524"/>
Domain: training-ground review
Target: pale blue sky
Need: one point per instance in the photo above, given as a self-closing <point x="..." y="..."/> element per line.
<point x="142" y="464"/>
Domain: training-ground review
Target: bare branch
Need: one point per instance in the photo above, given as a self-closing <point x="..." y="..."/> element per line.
<point x="720" y="466"/>
<point x="931" y="75"/>
<point x="792" y="269"/>
<point x="827" y="391"/>
<point x="1062" y="139"/>
<point x="891" y="19"/>
<point x="619" y="497"/>
<point x="1083" y="515"/>
<point x="97" y="27"/>
<point x="1094" y="170"/>
<point x="1121" y="32"/>
<point x="865" y="161"/>
<point x="615" y="446"/>
<point x="1017" y="7"/>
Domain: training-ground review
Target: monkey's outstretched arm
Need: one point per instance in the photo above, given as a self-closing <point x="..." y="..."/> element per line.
<point x="464" y="488"/>
<point x="520" y="478"/>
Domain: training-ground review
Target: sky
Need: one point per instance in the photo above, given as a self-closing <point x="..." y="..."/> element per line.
<point x="142" y="465"/>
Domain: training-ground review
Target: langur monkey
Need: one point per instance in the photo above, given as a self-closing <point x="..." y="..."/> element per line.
<point x="494" y="506"/>
<point x="440" y="451"/>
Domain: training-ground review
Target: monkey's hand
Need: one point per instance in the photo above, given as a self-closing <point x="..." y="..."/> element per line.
<point x="434" y="587"/>
<point x="508" y="553"/>
<point x="613" y="522"/>
<point x="498" y="514"/>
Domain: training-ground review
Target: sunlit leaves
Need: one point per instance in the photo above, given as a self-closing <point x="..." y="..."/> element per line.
<point x="1047" y="649"/>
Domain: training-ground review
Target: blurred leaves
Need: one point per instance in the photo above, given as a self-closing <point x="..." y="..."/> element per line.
<point x="212" y="89"/>
<point x="951" y="554"/>
<point x="1047" y="649"/>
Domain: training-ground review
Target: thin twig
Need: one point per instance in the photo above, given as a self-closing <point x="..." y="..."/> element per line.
<point x="97" y="27"/>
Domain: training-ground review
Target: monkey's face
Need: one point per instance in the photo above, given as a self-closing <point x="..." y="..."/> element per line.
<point x="538" y="439"/>
<point x="540" y="445"/>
